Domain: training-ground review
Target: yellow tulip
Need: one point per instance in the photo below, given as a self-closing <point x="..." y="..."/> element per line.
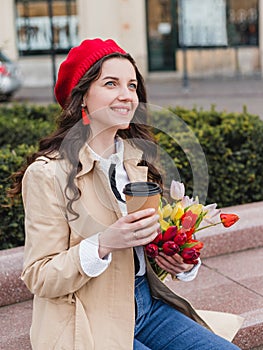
<point x="196" y="209"/>
<point x="164" y="225"/>
<point x="177" y="212"/>
<point x="160" y="213"/>
<point x="167" y="211"/>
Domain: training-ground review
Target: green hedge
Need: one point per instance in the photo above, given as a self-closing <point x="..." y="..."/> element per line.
<point x="26" y="124"/>
<point x="232" y="144"/>
<point x="233" y="147"/>
<point x="12" y="217"/>
<point x="21" y="126"/>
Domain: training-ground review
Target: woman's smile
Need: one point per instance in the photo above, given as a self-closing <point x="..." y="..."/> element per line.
<point x="124" y="110"/>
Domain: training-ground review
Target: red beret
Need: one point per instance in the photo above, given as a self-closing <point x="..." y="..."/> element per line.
<point x="78" y="61"/>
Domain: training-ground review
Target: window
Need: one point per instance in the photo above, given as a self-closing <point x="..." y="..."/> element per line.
<point x="213" y="23"/>
<point x="202" y="23"/>
<point x="46" y="25"/>
<point x="243" y="22"/>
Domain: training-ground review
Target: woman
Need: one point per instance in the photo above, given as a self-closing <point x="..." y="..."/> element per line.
<point x="84" y="259"/>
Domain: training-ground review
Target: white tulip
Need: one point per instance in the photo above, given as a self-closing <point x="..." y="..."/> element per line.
<point x="212" y="213"/>
<point x="187" y="201"/>
<point x="177" y="190"/>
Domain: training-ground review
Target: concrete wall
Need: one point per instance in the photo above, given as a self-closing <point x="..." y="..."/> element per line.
<point x="121" y="20"/>
<point x="221" y="61"/>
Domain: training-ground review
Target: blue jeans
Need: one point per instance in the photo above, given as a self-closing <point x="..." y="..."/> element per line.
<point x="161" y="327"/>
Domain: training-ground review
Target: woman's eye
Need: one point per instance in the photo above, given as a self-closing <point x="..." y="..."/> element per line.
<point x="133" y="86"/>
<point x="110" y="83"/>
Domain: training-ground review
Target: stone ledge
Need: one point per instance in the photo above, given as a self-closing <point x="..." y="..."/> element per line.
<point x="247" y="337"/>
<point x="15" y="321"/>
<point x="12" y="288"/>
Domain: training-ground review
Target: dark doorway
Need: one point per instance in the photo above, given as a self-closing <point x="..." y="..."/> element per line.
<point x="161" y="34"/>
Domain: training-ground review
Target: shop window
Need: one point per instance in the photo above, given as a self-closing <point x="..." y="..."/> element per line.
<point x="46" y="25"/>
<point x="217" y="23"/>
<point x="243" y="22"/>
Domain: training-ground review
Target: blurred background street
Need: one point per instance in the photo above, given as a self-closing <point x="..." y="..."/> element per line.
<point x="229" y="94"/>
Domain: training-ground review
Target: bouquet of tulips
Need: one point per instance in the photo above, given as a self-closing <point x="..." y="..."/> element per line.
<point x="179" y="222"/>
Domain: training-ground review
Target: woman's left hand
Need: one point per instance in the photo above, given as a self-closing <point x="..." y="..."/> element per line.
<point x="172" y="264"/>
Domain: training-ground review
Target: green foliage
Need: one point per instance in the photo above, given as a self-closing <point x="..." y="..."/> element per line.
<point x="26" y="124"/>
<point x="233" y="147"/>
<point x="12" y="216"/>
<point x="21" y="127"/>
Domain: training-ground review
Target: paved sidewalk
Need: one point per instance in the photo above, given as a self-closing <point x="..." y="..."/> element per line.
<point x="227" y="94"/>
<point x="164" y="90"/>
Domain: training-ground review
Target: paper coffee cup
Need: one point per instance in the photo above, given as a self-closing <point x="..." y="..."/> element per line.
<point x="142" y="195"/>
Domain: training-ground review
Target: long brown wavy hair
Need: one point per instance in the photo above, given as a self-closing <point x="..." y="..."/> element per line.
<point x="138" y="134"/>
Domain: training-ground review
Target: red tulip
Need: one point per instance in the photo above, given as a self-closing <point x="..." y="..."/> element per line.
<point x="188" y="219"/>
<point x="191" y="262"/>
<point x="170" y="248"/>
<point x="190" y="255"/>
<point x="190" y="232"/>
<point x="228" y="219"/>
<point x="152" y="250"/>
<point x="199" y="245"/>
<point x="170" y="233"/>
<point x="180" y="239"/>
<point x="158" y="238"/>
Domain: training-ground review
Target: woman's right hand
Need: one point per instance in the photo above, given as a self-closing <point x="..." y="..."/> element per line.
<point x="136" y="229"/>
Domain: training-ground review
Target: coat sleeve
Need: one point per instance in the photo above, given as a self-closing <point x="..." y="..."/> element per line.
<point x="51" y="268"/>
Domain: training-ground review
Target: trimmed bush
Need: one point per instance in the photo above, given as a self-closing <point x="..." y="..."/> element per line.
<point x="22" y="124"/>
<point x="21" y="127"/>
<point x="12" y="217"/>
<point x="233" y="147"/>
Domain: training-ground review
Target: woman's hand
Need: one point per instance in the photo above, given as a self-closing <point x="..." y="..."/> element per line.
<point x="172" y="264"/>
<point x="132" y="230"/>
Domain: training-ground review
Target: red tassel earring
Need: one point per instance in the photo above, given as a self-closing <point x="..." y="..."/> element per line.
<point x="85" y="117"/>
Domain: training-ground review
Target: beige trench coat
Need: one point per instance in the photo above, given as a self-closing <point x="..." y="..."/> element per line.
<point x="72" y="310"/>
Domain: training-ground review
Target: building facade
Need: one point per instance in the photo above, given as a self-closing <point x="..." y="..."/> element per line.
<point x="200" y="38"/>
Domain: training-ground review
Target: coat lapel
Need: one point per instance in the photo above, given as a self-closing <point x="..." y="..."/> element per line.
<point x="132" y="156"/>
